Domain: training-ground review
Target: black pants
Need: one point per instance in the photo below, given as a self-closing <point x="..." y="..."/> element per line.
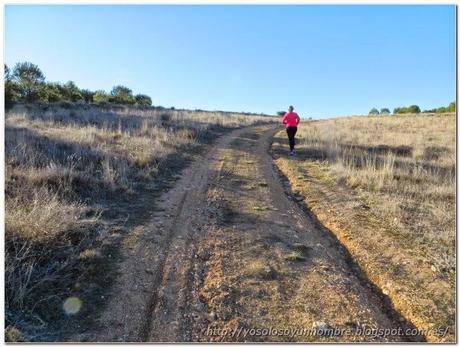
<point x="291" y="133"/>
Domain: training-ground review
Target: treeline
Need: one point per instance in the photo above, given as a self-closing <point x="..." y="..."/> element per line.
<point x="26" y="84"/>
<point x="374" y="111"/>
<point x="413" y="109"/>
<point x="450" y="108"/>
<point x="408" y="109"/>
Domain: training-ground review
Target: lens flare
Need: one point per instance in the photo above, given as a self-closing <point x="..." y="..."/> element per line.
<point x="72" y="305"/>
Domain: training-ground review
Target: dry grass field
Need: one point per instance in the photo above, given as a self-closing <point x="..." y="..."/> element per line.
<point x="385" y="186"/>
<point x="358" y="231"/>
<point x="77" y="177"/>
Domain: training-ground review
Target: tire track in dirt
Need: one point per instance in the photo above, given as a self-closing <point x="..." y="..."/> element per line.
<point x="384" y="302"/>
<point x="328" y="275"/>
<point x="148" y="298"/>
<point x="228" y="249"/>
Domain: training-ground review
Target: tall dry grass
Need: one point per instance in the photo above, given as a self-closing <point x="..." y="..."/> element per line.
<point x="385" y="186"/>
<point x="64" y="167"/>
<point x="405" y="163"/>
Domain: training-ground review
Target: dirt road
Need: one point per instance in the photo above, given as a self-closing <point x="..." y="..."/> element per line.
<point x="232" y="250"/>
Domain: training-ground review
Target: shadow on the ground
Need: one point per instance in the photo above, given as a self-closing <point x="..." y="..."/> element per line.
<point x="122" y="210"/>
<point x="385" y="302"/>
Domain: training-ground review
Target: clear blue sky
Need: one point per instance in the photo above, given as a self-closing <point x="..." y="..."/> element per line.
<point x="325" y="60"/>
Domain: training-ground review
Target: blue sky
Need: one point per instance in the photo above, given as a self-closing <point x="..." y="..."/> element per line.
<point x="325" y="60"/>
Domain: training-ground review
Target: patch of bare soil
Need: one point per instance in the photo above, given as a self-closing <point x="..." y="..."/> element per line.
<point x="398" y="268"/>
<point x="229" y="256"/>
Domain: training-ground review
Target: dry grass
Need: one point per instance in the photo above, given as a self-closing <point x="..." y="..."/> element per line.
<point x="64" y="167"/>
<point x="386" y="187"/>
<point x="407" y="163"/>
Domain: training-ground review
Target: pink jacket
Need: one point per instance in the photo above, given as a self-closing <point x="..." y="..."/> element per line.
<point x="291" y="119"/>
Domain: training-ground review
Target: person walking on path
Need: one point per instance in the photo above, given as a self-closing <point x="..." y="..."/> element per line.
<point x="291" y="120"/>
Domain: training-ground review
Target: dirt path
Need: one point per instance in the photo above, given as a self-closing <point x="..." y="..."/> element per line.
<point x="230" y="251"/>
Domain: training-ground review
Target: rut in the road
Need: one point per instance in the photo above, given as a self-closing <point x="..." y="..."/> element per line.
<point x="278" y="267"/>
<point x="230" y="250"/>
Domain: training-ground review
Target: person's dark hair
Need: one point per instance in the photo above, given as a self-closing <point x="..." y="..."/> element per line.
<point x="291" y="108"/>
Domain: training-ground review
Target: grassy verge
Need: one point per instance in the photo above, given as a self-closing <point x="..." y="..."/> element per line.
<point x="77" y="180"/>
<point x="386" y="187"/>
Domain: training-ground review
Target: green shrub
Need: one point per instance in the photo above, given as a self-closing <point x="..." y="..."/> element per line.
<point x="53" y="92"/>
<point x="122" y="95"/>
<point x="71" y="92"/>
<point x="11" y="93"/>
<point x="451" y="108"/>
<point x="374" y="111"/>
<point x="410" y="109"/>
<point x="413" y="109"/>
<point x="100" y="97"/>
<point x="29" y="80"/>
<point x="143" y="100"/>
<point x="87" y="95"/>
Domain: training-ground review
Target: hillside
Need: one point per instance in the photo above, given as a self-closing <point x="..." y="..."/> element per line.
<point x="78" y="178"/>
<point x="135" y="224"/>
<point x="385" y="186"/>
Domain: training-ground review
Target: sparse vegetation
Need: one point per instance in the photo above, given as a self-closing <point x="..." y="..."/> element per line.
<point x="295" y="256"/>
<point x="73" y="174"/>
<point x="415" y="168"/>
<point x="261" y="271"/>
<point x="386" y="187"/>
